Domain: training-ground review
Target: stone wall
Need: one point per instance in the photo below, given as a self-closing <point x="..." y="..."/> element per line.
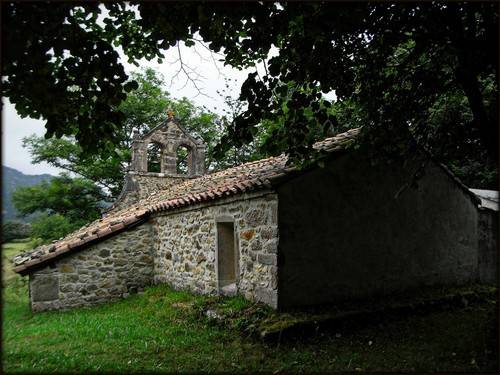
<point x="178" y="248"/>
<point x="187" y="243"/>
<point x="139" y="185"/>
<point x="354" y="230"/>
<point x="106" y="271"/>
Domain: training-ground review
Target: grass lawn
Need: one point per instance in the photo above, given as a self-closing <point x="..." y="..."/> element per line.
<point x="161" y="330"/>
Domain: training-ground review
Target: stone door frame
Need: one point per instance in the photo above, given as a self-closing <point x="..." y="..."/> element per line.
<point x="227" y="219"/>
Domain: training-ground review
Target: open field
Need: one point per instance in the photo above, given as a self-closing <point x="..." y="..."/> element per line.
<point x="162" y="330"/>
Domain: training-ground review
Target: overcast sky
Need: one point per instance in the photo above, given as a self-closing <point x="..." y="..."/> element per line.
<point x="14" y="128"/>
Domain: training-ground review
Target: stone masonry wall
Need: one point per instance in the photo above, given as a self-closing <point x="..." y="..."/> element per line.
<point x="186" y="247"/>
<point x="139" y="185"/>
<point x="109" y="270"/>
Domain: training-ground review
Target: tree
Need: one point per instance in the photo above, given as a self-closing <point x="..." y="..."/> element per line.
<point x="394" y="61"/>
<point x="49" y="227"/>
<point x="12" y="230"/>
<point x="64" y="203"/>
<point x="144" y="108"/>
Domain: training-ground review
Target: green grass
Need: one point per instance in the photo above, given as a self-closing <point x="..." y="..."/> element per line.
<point x="8" y="251"/>
<point x="161" y="330"/>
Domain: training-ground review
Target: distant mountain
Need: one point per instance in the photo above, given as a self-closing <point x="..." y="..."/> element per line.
<point x="11" y="180"/>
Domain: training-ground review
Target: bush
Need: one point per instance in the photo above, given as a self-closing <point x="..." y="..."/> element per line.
<point x="35" y="242"/>
<point x="48" y="227"/>
<point x="12" y="230"/>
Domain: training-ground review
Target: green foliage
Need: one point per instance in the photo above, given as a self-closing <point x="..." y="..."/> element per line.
<point x="446" y="133"/>
<point x="49" y="227"/>
<point x="11" y="180"/>
<point x="12" y="230"/>
<point x="75" y="198"/>
<point x="394" y="62"/>
<point x="449" y="136"/>
<point x="67" y="154"/>
<point x="73" y="78"/>
<point x="144" y="108"/>
<point x="64" y="203"/>
<point x="154" y="154"/>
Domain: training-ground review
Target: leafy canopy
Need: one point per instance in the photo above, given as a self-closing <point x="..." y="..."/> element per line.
<point x="394" y="63"/>
<point x="74" y="198"/>
<point x="145" y="108"/>
<point x="61" y="205"/>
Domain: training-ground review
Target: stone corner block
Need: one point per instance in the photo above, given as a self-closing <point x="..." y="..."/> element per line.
<point x="267" y="259"/>
<point x="45" y="289"/>
<point x="267" y="296"/>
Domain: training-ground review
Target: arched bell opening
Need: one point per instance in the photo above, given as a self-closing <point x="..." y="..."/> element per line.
<point x="184" y="160"/>
<point x="154" y="151"/>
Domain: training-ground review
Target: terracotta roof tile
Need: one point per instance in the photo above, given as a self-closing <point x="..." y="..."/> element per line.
<point x="249" y="176"/>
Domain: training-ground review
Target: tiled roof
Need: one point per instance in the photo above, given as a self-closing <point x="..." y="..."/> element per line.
<point x="246" y="177"/>
<point x="85" y="236"/>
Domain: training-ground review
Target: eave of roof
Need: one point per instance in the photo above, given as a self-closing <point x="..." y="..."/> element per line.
<point x="101" y="229"/>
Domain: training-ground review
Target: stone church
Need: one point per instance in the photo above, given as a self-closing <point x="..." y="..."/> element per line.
<point x="273" y="234"/>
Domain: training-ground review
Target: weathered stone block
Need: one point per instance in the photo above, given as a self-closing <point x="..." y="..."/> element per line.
<point x="66" y="268"/>
<point x="256" y="217"/>
<point x="267" y="296"/>
<point x="249" y="266"/>
<point x="101" y="292"/>
<point x="256" y="245"/>
<point x="270" y="246"/>
<point x="247" y="234"/>
<point x="274" y="278"/>
<point x="268" y="233"/>
<point x="104" y="253"/>
<point x="71" y="278"/>
<point x="91" y="287"/>
<point x="106" y="284"/>
<point x="120" y="262"/>
<point x="270" y="259"/>
<point x="146" y="259"/>
<point x="45" y="289"/>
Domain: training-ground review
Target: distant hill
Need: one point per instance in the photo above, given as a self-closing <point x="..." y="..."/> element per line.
<point x="11" y="180"/>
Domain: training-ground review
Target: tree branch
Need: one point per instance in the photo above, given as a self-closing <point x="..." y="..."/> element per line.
<point x="188" y="71"/>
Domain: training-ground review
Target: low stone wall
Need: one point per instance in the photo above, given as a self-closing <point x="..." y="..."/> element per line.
<point x="186" y="247"/>
<point x="109" y="270"/>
